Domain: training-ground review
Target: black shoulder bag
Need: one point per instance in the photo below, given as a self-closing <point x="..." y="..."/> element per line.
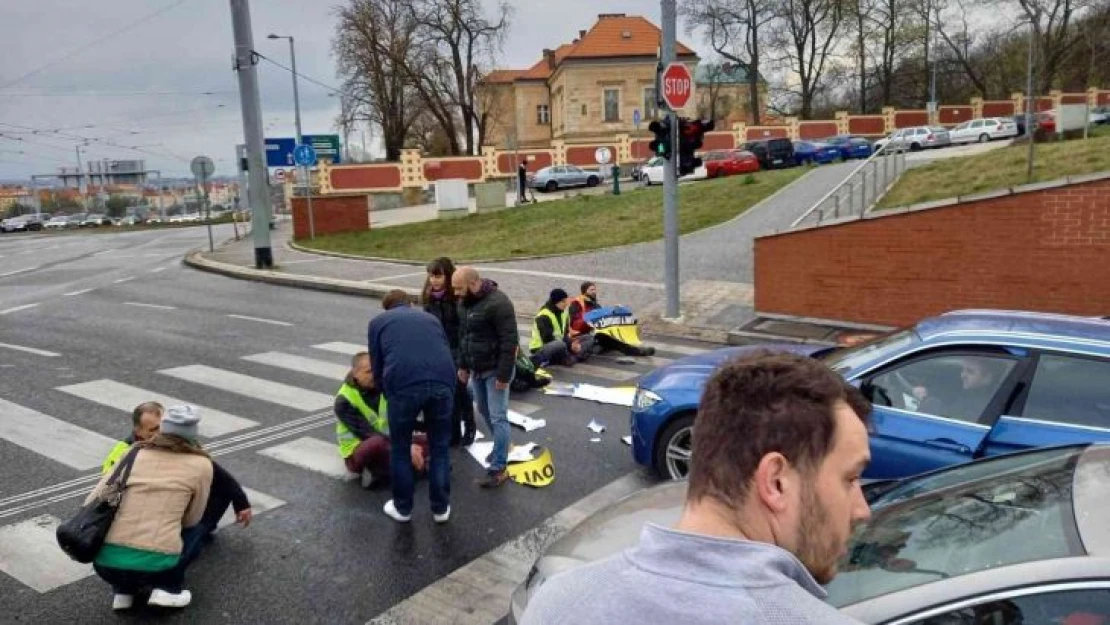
<point x="82" y="536"/>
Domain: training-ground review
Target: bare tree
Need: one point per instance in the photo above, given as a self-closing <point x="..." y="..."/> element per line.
<point x="806" y="35"/>
<point x="861" y="13"/>
<point x="1052" y="23"/>
<point x="734" y="29"/>
<point x="717" y="104"/>
<point x="960" y="40"/>
<point x="372" y="44"/>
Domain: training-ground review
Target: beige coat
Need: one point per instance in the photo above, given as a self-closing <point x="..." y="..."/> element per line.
<point x="165" y="492"/>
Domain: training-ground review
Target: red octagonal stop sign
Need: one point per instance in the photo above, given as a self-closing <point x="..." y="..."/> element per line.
<point x="678" y="86"/>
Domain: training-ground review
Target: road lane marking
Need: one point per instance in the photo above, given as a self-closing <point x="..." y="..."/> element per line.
<point x="17" y="309"/>
<point x="312" y="454"/>
<point x="29" y="553"/>
<point x="158" y="270"/>
<point x="18" y="271"/>
<point x="30" y="350"/>
<point x="81" y="292"/>
<point x="339" y="347"/>
<point x="122" y="280"/>
<point x="255" y="388"/>
<point x="125" y="397"/>
<point x="157" y="306"/>
<point x="103" y="252"/>
<point x="273" y="322"/>
<point x="293" y="362"/>
<point x="400" y="275"/>
<point x="52" y="438"/>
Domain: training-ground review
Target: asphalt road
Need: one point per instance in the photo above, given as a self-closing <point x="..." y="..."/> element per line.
<point x="91" y="322"/>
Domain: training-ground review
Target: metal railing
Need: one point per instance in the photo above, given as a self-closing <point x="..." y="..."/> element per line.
<point x="860" y="191"/>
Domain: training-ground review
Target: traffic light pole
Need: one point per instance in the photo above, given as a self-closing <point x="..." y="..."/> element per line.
<point x="670" y="176"/>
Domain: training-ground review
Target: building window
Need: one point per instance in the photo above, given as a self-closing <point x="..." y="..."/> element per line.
<point x="543" y="114"/>
<point x="584" y="110"/>
<point x="649" y="103"/>
<point x="612" y="105"/>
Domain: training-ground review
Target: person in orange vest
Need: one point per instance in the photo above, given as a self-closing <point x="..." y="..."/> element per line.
<point x="580" y="328"/>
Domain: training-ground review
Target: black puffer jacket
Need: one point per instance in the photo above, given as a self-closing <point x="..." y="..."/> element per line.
<point x="447" y="311"/>
<point x="488" y="336"/>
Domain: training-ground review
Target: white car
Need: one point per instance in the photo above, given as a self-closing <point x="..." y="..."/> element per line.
<point x="916" y="138"/>
<point x="983" y="130"/>
<point x="61" y="222"/>
<point x="652" y="172"/>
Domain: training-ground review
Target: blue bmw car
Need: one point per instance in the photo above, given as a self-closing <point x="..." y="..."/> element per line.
<point x="850" y="146"/>
<point x="814" y="152"/>
<point x="963" y="385"/>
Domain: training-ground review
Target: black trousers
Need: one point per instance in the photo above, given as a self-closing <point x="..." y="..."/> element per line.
<point x="463" y="414"/>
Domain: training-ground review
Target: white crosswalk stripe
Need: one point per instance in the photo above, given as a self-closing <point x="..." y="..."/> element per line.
<point x="53" y="438"/>
<point x="255" y="388"/>
<point x="339" y="347"/>
<point x="293" y="362"/>
<point x="124" y="397"/>
<point x="312" y="454"/>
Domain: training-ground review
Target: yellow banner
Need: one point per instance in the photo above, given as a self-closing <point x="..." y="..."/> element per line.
<point x="537" y="473"/>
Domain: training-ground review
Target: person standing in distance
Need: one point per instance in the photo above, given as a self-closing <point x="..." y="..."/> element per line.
<point x="488" y="344"/>
<point x="411" y="362"/>
<point x="779" y="445"/>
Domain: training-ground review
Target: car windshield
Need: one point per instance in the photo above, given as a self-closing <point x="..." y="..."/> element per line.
<point x="1011" y="516"/>
<point x="848" y="359"/>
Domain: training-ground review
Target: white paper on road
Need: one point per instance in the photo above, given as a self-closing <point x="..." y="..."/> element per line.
<point x="595" y="440"/>
<point x="528" y="423"/>
<point x="518" y="453"/>
<point x="595" y="426"/>
<point x="617" y="396"/>
<point x="627" y="440"/>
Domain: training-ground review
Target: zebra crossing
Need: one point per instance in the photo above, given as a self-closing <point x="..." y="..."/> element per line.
<point x="28" y="549"/>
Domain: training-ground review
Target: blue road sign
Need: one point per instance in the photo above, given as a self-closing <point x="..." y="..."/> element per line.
<point x="304" y="155"/>
<point x="279" y="151"/>
<point x="636" y="118"/>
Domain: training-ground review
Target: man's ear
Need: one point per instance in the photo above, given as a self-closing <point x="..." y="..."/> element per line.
<point x="773" y="481"/>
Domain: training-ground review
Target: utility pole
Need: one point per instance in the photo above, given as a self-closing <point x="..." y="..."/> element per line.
<point x="1029" y="100"/>
<point x="670" y="175"/>
<point x="85" y="194"/>
<point x="259" y="196"/>
<point x="306" y="169"/>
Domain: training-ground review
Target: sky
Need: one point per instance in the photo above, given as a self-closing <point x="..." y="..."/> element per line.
<point x="156" y="75"/>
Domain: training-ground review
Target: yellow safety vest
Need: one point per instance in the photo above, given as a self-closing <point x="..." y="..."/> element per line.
<point x="114" y="456"/>
<point x="348" y="442"/>
<point x="558" y="324"/>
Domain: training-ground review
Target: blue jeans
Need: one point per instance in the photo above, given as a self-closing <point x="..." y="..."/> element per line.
<point x="437" y="401"/>
<point x="494" y="408"/>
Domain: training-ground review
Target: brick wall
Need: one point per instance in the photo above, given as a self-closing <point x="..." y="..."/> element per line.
<point x="331" y="214"/>
<point x="1041" y="250"/>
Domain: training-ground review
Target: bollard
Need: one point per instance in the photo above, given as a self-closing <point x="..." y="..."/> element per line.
<point x="616" y="179"/>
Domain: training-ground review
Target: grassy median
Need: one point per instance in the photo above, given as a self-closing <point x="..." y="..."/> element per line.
<point x="1001" y="169"/>
<point x="563" y="226"/>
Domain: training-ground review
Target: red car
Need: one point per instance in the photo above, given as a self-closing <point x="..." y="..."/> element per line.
<point x="729" y="163"/>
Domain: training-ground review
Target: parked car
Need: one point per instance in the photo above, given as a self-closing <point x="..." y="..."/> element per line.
<point x="729" y="163"/>
<point x="850" y="146"/>
<point x="652" y="172"/>
<point x="963" y="385"/>
<point x="95" y="220"/>
<point x="1046" y="121"/>
<point x="813" y="152"/>
<point x="916" y="138"/>
<point x="772" y="153"/>
<point x="1099" y="115"/>
<point x="24" y="223"/>
<point x="1019" y="538"/>
<point x="61" y="222"/>
<point x="983" y="130"/>
<point x="563" y="176"/>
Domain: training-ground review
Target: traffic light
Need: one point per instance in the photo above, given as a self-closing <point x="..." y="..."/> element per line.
<point x="661" y="145"/>
<point x="691" y="133"/>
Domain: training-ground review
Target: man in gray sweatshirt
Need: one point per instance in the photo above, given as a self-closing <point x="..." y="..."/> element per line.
<point x="780" y="442"/>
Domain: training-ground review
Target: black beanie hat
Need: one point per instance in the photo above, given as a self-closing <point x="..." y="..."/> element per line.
<point x="557" y="295"/>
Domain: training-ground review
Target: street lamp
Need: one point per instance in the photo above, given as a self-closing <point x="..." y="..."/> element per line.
<point x="296" y="94"/>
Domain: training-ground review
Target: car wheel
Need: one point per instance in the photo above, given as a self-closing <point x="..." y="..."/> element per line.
<point x="551" y="186"/>
<point x="646" y="179"/>
<point x="672" y="451"/>
<point x="592" y="181"/>
<point x="983" y="138"/>
<point x="915" y="147"/>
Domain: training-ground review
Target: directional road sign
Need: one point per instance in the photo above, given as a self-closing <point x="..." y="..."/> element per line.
<point x="678" y="86"/>
<point x="304" y="155"/>
<point x="279" y="151"/>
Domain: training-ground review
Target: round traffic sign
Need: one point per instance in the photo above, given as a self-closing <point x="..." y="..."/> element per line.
<point x="279" y="175"/>
<point x="304" y="155"/>
<point x="603" y="155"/>
<point x="202" y="167"/>
<point x="678" y="86"/>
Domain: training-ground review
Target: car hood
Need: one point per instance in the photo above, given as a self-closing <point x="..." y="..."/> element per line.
<point x="691" y="372"/>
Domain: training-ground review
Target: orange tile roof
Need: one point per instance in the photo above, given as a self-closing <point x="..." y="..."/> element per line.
<point x="608" y="38"/>
<point x="541" y="70"/>
<point x="504" y="75"/>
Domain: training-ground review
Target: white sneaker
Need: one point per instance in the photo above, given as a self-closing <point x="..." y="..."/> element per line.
<point x="367" y="479"/>
<point x="165" y="599"/>
<point x="442" y="518"/>
<point x="122" y="602"/>
<point x="390" y="511"/>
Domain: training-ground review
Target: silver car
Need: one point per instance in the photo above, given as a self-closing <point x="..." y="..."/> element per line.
<point x="1018" y="538"/>
<point x="916" y="138"/>
<point x="563" y="176"/>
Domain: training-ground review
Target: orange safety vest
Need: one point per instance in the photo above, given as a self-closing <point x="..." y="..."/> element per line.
<point x="581" y="299"/>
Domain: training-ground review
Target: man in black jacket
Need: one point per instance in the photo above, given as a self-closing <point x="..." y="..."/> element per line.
<point x="488" y="344"/>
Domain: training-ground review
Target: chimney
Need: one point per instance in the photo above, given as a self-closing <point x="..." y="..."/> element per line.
<point x="549" y="56"/>
<point x="581" y="34"/>
<point x="607" y="15"/>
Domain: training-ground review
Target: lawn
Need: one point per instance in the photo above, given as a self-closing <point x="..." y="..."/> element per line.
<point x="1001" y="169"/>
<point x="563" y="226"/>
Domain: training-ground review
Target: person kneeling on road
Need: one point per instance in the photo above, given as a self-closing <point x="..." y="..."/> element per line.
<point x="362" y="428"/>
<point x="146" y="422"/>
<point x="551" y="342"/>
<point x="580" y="328"/>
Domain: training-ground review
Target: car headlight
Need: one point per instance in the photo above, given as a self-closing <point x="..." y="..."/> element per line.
<point x="644" y="399"/>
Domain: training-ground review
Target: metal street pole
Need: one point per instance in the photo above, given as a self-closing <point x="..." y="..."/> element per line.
<point x="670" y="176"/>
<point x="85" y="195"/>
<point x="246" y="66"/>
<point x="1029" y="105"/>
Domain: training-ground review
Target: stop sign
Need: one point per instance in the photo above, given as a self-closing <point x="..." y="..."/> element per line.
<point x="678" y="86"/>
